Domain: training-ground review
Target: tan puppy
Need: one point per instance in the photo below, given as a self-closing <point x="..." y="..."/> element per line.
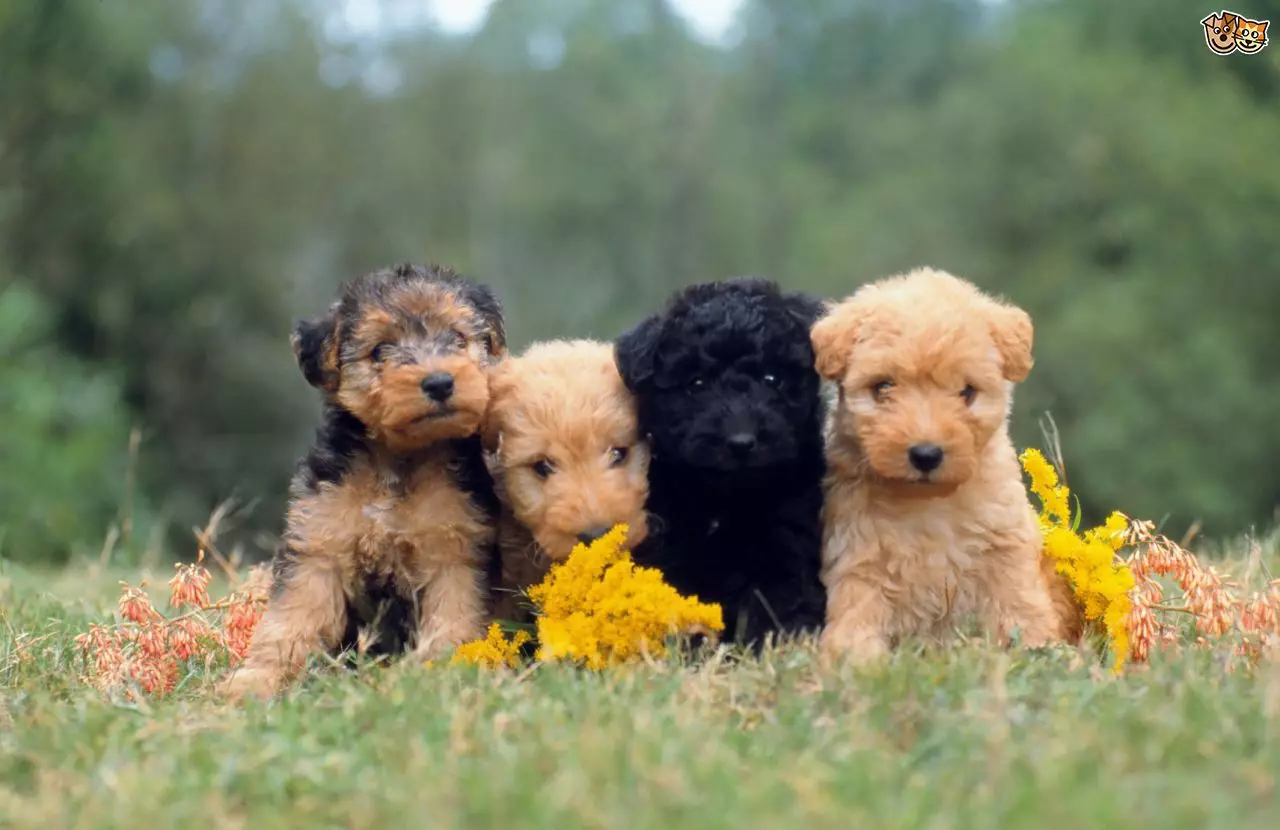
<point x="567" y="460"/>
<point x="926" y="515"/>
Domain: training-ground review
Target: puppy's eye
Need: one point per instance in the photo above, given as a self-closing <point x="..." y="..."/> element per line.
<point x="697" y="383"/>
<point x="618" y="456"/>
<point x="968" y="393"/>
<point x="543" y="469"/>
<point x="879" y="390"/>
<point x="379" y="352"/>
<point x="771" y="380"/>
<point x="460" y="340"/>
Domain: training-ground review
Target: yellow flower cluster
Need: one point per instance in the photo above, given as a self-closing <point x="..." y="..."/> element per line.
<point x="494" y="651"/>
<point x="1102" y="584"/>
<point x="598" y="608"/>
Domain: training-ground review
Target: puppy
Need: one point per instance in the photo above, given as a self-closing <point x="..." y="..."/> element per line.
<point x="567" y="459"/>
<point x="390" y="522"/>
<point x="926" y="514"/>
<point x="728" y="397"/>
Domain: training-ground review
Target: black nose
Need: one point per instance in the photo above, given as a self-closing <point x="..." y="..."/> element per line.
<point x="438" y="386"/>
<point x="741" y="443"/>
<point x="589" y="536"/>
<point x="925" y="457"/>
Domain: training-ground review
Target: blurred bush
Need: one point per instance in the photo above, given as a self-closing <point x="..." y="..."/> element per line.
<point x="180" y="179"/>
<point x="64" y="443"/>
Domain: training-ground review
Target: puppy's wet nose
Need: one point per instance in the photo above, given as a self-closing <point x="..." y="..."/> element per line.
<point x="741" y="443"/>
<point x="925" y="457"/>
<point x="589" y="536"/>
<point x="438" y="386"/>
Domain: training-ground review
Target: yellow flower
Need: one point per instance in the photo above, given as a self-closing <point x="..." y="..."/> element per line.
<point x="1044" y="483"/>
<point x="1100" y="582"/>
<point x="1116" y="622"/>
<point x="598" y="608"/>
<point x="494" y="650"/>
<point x="1111" y="532"/>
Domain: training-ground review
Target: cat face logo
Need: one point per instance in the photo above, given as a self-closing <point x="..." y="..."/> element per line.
<point x="1251" y="35"/>
<point x="1227" y="32"/>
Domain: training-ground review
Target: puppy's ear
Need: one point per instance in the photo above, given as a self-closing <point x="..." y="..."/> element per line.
<point x="635" y="352"/>
<point x="486" y="304"/>
<point x="315" y="348"/>
<point x="1013" y="333"/>
<point x="501" y="389"/>
<point x="804" y="307"/>
<point x="833" y="337"/>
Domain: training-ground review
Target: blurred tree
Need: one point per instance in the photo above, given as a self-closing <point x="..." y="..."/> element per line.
<point x="180" y="179"/>
<point x="65" y="442"/>
<point x="159" y="229"/>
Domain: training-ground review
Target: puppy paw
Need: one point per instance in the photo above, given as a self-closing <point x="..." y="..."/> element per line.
<point x="436" y="642"/>
<point x="857" y="646"/>
<point x="249" y="682"/>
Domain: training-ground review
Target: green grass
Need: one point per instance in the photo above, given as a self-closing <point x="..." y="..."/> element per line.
<point x="971" y="736"/>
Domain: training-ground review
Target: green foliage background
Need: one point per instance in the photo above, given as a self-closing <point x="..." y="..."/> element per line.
<point x="180" y="179"/>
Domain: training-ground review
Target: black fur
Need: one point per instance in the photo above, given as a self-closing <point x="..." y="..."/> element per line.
<point x="387" y="618"/>
<point x="313" y="340"/>
<point x="742" y="529"/>
<point x="339" y="437"/>
<point x="473" y="477"/>
<point x="375" y="606"/>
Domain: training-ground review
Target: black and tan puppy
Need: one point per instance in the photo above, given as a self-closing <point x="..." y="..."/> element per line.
<point x="728" y="396"/>
<point x="390" y="525"/>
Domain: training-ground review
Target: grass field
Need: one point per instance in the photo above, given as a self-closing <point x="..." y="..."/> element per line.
<point x="969" y="737"/>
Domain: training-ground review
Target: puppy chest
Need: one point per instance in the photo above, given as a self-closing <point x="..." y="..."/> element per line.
<point x="391" y="531"/>
<point x="932" y="575"/>
<point x="433" y="525"/>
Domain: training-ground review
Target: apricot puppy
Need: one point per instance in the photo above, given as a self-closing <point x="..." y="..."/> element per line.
<point x="926" y="516"/>
<point x="390" y="526"/>
<point x="567" y="459"/>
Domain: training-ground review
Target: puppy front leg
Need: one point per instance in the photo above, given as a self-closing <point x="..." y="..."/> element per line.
<point x="1021" y="600"/>
<point x="306" y="613"/>
<point x="451" y="611"/>
<point x="858" y="618"/>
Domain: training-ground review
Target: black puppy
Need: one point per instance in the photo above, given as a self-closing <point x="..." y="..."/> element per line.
<point x="728" y="395"/>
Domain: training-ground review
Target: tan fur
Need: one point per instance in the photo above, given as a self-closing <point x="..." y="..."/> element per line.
<point x="402" y="418"/>
<point x="309" y="615"/>
<point x="396" y="516"/>
<point x="563" y="403"/>
<point x="905" y="553"/>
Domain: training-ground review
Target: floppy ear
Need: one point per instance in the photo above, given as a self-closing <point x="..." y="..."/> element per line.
<point x="804" y="307"/>
<point x="1013" y="333"/>
<point x="833" y="337"/>
<point x="501" y="388"/>
<point x="315" y="347"/>
<point x="482" y="298"/>
<point x="635" y="352"/>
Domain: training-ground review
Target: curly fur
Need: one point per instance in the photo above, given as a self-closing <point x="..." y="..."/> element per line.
<point x="728" y="397"/>
<point x="912" y="539"/>
<point x="566" y="456"/>
<point x="389" y="529"/>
